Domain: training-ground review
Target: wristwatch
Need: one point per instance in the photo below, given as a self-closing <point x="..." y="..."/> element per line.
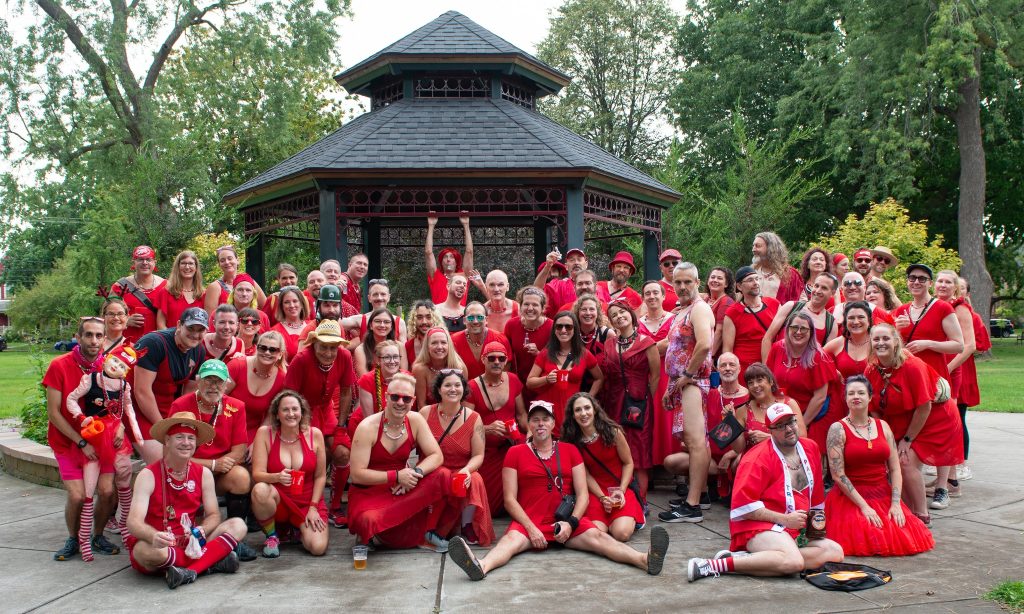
<point x="418" y="470"/>
<point x="907" y="439"/>
<point x="82" y="443"/>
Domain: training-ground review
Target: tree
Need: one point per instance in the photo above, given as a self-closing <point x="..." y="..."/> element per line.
<point x="164" y="106"/>
<point x="619" y="55"/>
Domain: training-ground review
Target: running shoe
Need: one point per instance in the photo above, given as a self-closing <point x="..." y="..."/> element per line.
<point x="699" y="568"/>
<point x="176" y="576"/>
<point x="941" y="499"/>
<point x="725" y="554"/>
<point x="705" y="501"/>
<point x="683" y="513"/>
<point x="69" y="550"/>
<point x="963" y="472"/>
<point x="244" y="552"/>
<point x="272" y="547"/>
<point x="102" y="545"/>
<point x="228" y="564"/>
<point x="434" y="542"/>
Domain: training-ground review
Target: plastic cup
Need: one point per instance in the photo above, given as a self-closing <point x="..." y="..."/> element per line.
<point x="511" y="426"/>
<point x="459" y="485"/>
<point x="618" y="498"/>
<point x="562" y="376"/>
<point x="359" y="557"/>
<point x="298" y="477"/>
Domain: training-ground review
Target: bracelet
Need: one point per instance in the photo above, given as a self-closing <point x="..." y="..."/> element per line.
<point x="392" y="477"/>
<point x="574" y="522"/>
<point x="688" y="374"/>
<point x="418" y="470"/>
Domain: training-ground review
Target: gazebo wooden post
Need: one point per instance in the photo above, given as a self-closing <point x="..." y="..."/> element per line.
<point x="255" y="263"/>
<point x="651" y="247"/>
<point x="371" y="247"/>
<point x="574" y="217"/>
<point x="541" y="239"/>
<point x="333" y="242"/>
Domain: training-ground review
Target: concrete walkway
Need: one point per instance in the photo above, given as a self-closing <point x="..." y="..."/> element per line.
<point x="979" y="542"/>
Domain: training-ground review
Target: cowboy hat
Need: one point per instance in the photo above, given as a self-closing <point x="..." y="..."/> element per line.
<point x="204" y="432"/>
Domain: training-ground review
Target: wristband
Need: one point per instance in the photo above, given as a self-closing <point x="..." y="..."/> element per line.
<point x="392" y="477"/>
<point x="688" y="374"/>
<point x="574" y="522"/>
<point x="907" y="439"/>
<point x="418" y="470"/>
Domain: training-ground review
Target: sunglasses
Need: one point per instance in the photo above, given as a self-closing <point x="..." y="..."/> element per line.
<point x="882" y="259"/>
<point x="445" y="372"/>
<point x="918" y="278"/>
<point x="475" y="318"/>
<point x="401" y="398"/>
<point x="565" y="326"/>
<point x="376" y="282"/>
<point x="855" y="282"/>
<point x="250" y="321"/>
<point x="266" y="349"/>
<point x="799" y="329"/>
<point x="497" y="359"/>
<point x="668" y="263"/>
<point x="864" y="260"/>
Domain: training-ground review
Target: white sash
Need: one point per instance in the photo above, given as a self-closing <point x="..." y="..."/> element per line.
<point x="790" y="499"/>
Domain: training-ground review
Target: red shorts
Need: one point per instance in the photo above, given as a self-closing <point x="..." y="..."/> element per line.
<point x="549" y="529"/>
<point x="70" y="464"/>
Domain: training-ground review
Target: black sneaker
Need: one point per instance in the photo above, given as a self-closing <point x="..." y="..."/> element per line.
<point x="705" y="501"/>
<point x="244" y="552"/>
<point x="69" y="550"/>
<point x="683" y="513"/>
<point x="228" y="564"/>
<point x="176" y="576"/>
<point x="102" y="545"/>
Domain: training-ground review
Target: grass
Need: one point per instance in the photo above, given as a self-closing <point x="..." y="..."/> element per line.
<point x="999" y="378"/>
<point x="1010" y="594"/>
<point x="17" y="380"/>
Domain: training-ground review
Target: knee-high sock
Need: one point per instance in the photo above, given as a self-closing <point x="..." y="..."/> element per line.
<point x="269" y="526"/>
<point x="215" y="551"/>
<point x="340" y="479"/>
<point x="85" y="529"/>
<point x="124" y="503"/>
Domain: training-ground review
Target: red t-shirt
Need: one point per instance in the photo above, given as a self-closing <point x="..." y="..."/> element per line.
<point x="228" y="425"/>
<point x="632" y="298"/>
<point x="134" y="333"/>
<point x="750" y="329"/>
<point x="537" y="500"/>
<point x="558" y="393"/>
<point x="305" y="376"/>
<point x="62" y="375"/>
<point x="172" y="307"/>
<point x="474" y="365"/>
<point x="671" y="301"/>
<point x="797" y="382"/>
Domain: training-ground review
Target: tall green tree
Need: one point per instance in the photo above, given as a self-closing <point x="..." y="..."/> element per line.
<point x="619" y="54"/>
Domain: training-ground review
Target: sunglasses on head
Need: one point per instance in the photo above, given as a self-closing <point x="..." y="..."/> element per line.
<point x="266" y="349"/>
<point x="91" y="319"/>
<point x="375" y="282"/>
<point x="475" y="318"/>
<point x="499" y="359"/>
<point x="445" y="372"/>
<point x="401" y="398"/>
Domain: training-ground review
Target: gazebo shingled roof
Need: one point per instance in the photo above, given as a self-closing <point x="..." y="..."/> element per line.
<point x="453" y="127"/>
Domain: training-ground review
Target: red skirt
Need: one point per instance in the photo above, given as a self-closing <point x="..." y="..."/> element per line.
<point x="848" y="527"/>
<point x="631" y="509"/>
<point x="451" y="515"/>
<point x="941" y="442"/>
<point x="293" y="508"/>
<point x="397" y="521"/>
<point x="490" y="472"/>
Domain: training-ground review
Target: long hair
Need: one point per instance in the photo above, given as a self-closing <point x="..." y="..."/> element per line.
<point x="575" y="344"/>
<point x="890" y="300"/>
<point x="452" y="360"/>
<point x="812" y="348"/>
<point x="899" y="352"/>
<point x="410" y="318"/>
<point x="275" y="407"/>
<point x="805" y="263"/>
<point x="282" y="356"/>
<point x="174" y="279"/>
<point x="370" y="341"/>
<point x="571" y="432"/>
<point x="776" y="256"/>
<point x="303" y="306"/>
<point x="602" y="319"/>
<point x="730" y="281"/>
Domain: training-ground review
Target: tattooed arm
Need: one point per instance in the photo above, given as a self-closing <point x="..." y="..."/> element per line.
<point x="895" y="476"/>
<point x="835" y="444"/>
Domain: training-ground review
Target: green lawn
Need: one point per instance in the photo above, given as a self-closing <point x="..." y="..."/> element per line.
<point x="1010" y="594"/>
<point x="17" y="378"/>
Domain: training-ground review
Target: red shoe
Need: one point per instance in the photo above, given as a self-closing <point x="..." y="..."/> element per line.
<point x="469" y="534"/>
<point x="338" y="519"/>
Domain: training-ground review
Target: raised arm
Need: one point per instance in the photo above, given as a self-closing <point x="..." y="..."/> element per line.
<point x="467" y="256"/>
<point x="428" y="248"/>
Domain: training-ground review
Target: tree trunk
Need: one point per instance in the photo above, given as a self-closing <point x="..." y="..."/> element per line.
<point x="971" y="216"/>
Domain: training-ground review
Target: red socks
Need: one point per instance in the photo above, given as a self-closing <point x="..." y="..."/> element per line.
<point x="338" y="487"/>
<point x="124" y="503"/>
<point x="85" y="529"/>
<point x="726" y="565"/>
<point x="215" y="551"/>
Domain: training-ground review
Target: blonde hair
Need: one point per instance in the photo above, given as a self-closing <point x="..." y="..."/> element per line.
<point x="451" y="362"/>
<point x="402" y="376"/>
<point x="174" y="279"/>
<point x="602" y="318"/>
<point x="956" y="281"/>
<point x="282" y="356"/>
<point x="900" y="354"/>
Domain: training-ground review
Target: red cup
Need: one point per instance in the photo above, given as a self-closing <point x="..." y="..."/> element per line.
<point x="459" y="488"/>
<point x="562" y="375"/>
<point x="298" y="477"/>
<point x="511" y="426"/>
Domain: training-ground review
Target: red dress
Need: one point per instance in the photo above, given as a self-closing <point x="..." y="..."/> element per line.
<point x="929" y="327"/>
<point x="320" y="389"/>
<point x="558" y="393"/>
<point x="457" y="448"/>
<point x="518" y="337"/>
<point x="970" y="393"/>
<point x="867" y="470"/>
<point x="663" y="443"/>
<point x="135" y="306"/>
<point x="397" y="521"/>
<point x="495" y="447"/>
<point x="750" y="329"/>
<point x="592" y="453"/>
<point x="940" y="442"/>
<point x="537" y="496"/>
<point x="295" y="505"/>
<point x="613" y="394"/>
<point x="291" y="342"/>
<point x="255" y="406"/>
<point x="799" y="383"/>
<point x="474" y="365"/>
<point x="171" y="306"/>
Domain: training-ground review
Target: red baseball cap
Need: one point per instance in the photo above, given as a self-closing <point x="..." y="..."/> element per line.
<point x="670" y="253"/>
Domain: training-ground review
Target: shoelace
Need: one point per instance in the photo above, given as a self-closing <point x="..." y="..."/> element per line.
<point x="273" y="542"/>
<point x="705" y="570"/>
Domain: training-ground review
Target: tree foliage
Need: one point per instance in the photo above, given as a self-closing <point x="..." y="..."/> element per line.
<point x="619" y="56"/>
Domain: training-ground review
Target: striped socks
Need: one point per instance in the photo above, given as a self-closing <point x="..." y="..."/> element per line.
<point x="85" y="529"/>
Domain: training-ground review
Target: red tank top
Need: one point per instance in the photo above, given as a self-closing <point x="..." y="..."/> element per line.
<point x="864" y="464"/>
<point x="457" y="445"/>
<point x="847" y="365"/>
<point x="172" y="499"/>
<point x="607" y="454"/>
<point x="308" y="466"/>
<point x="381" y="459"/>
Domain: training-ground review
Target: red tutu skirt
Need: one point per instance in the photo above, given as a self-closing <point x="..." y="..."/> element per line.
<point x="848" y="527"/>
<point x="631" y="509"/>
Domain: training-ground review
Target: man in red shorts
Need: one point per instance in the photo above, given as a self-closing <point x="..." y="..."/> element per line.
<point x="451" y="262"/>
<point x="747" y="321"/>
<point x="778" y="484"/>
<point x="168" y="497"/>
<point x="536" y="475"/>
<point x="71" y="450"/>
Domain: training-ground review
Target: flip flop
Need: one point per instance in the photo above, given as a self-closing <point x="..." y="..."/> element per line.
<point x="459" y="552"/>
<point x="656" y="554"/>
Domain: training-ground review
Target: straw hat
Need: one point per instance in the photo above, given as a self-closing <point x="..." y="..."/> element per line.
<point x="204" y="432"/>
<point x="885" y="252"/>
<point x="327" y="332"/>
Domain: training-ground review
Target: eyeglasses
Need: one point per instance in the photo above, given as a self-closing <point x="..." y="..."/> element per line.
<point x="401" y="398"/>
<point x="376" y="282"/>
<point x="921" y="279"/>
<point x="798" y="330"/>
<point x="497" y="359"/>
<point x="214" y="382"/>
<point x="475" y="318"/>
<point x="670" y="263"/>
<point x="864" y="260"/>
<point x="250" y="321"/>
<point x="565" y="326"/>
<point x="386" y="322"/>
<point x="266" y="349"/>
<point x="119" y="314"/>
<point x="854" y="282"/>
<point x="781" y="427"/>
<point x="390" y="358"/>
<point x="445" y="372"/>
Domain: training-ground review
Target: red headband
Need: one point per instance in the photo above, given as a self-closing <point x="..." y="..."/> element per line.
<point x="436" y="329"/>
<point x="182" y="428"/>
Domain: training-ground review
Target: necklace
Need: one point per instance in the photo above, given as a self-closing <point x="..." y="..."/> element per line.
<point x="792" y="467"/>
<point x="551" y="452"/>
<point x="400" y="434"/>
<point x="261" y="375"/>
<point x="200" y="404"/>
<point x="591" y="439"/>
<point x="299" y="326"/>
<point x="283" y="440"/>
<point x="625" y="342"/>
<point x="501" y="380"/>
<point x="856" y="429"/>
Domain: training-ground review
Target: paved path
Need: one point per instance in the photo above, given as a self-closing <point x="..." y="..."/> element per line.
<point x="979" y="544"/>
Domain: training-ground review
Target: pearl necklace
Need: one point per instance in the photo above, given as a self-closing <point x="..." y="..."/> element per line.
<point x="591" y="439"/>
<point x="501" y="380"/>
<point x="400" y="435"/>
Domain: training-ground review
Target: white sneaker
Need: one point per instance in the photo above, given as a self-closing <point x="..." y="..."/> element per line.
<point x="928" y="470"/>
<point x="941" y="499"/>
<point x="699" y="568"/>
<point x="963" y="472"/>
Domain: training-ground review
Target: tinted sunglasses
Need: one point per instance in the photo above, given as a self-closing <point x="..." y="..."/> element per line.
<point x="565" y="326"/>
<point x="475" y="318"/>
<point x="250" y="321"/>
<point x="267" y="349"/>
<point x="401" y="398"/>
<point x="498" y="359"/>
<point x="855" y="282"/>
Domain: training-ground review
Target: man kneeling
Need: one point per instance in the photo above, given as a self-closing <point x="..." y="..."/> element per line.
<point x="778" y="483"/>
<point x="532" y="480"/>
<point x="168" y="495"/>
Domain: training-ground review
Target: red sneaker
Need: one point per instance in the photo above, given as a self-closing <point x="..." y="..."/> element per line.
<point x="469" y="534"/>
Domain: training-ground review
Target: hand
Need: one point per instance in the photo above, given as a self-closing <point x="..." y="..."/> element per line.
<point x="464" y="218"/>
<point x="496" y="429"/>
<point x="619" y="499"/>
<point x="164" y="539"/>
<point x="606" y="503"/>
<point x="431" y="220"/>
<point x="474" y="274"/>
<point x="919" y="345"/>
<point x="398" y="491"/>
<point x="553" y="257"/>
<point x="119" y="436"/>
<point x="90" y="452"/>
<point x="284" y="478"/>
<point x="407" y="479"/>
<point x="314" y="521"/>
<point x="794" y="520"/>
<point x="758" y="436"/>
<point x="136" y="320"/>
<point x="469" y="479"/>
<point x="226" y="463"/>
<point x="903" y="448"/>
<point x="728" y="409"/>
<point x="531" y="348"/>
<point x="86" y="421"/>
<point x="723" y="465"/>
<point x="537" y="539"/>
<point x="902" y="321"/>
<point x="552" y="377"/>
<point x="872" y="516"/>
<point x="896" y="513"/>
<point x="564" y="531"/>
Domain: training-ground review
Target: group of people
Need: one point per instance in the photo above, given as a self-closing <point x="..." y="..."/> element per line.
<point x="764" y="389"/>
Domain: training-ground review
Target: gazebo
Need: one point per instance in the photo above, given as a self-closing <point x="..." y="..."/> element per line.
<point x="453" y="127"/>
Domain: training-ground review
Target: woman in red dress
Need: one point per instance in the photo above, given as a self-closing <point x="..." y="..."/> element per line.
<point x="721" y="290"/>
<point x="460" y="435"/>
<point x="184" y="289"/>
<point x="115" y="318"/>
<point x="614" y="507"/>
<point x="289" y="466"/>
<point x="804" y="372"/>
<point x="437" y="353"/>
<point x="970" y="394"/>
<point x="631" y="363"/>
<point x="497" y="397"/>
<point x="904" y="389"/>
<point x="256" y="380"/>
<point x="865" y="514"/>
<point x="382" y="327"/>
<point x="557" y="372"/>
<point x="529" y="332"/>
<point x="138" y="292"/>
<point x="850" y="352"/>
<point x="292" y="317"/>
<point x="217" y="291"/>
<point x="764" y="392"/>
<point x="656" y="323"/>
<point x="931" y="331"/>
<point x="397" y="474"/>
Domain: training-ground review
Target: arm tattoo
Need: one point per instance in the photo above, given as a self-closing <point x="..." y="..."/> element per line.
<point x="835" y="443"/>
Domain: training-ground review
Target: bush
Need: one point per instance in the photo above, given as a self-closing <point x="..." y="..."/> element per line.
<point x="34" y="419"/>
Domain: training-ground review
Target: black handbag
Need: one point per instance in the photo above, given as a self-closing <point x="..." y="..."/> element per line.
<point x="634" y="485"/>
<point x="634" y="411"/>
<point x="846" y="577"/>
<point x="568" y="503"/>
<point x="726" y="431"/>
